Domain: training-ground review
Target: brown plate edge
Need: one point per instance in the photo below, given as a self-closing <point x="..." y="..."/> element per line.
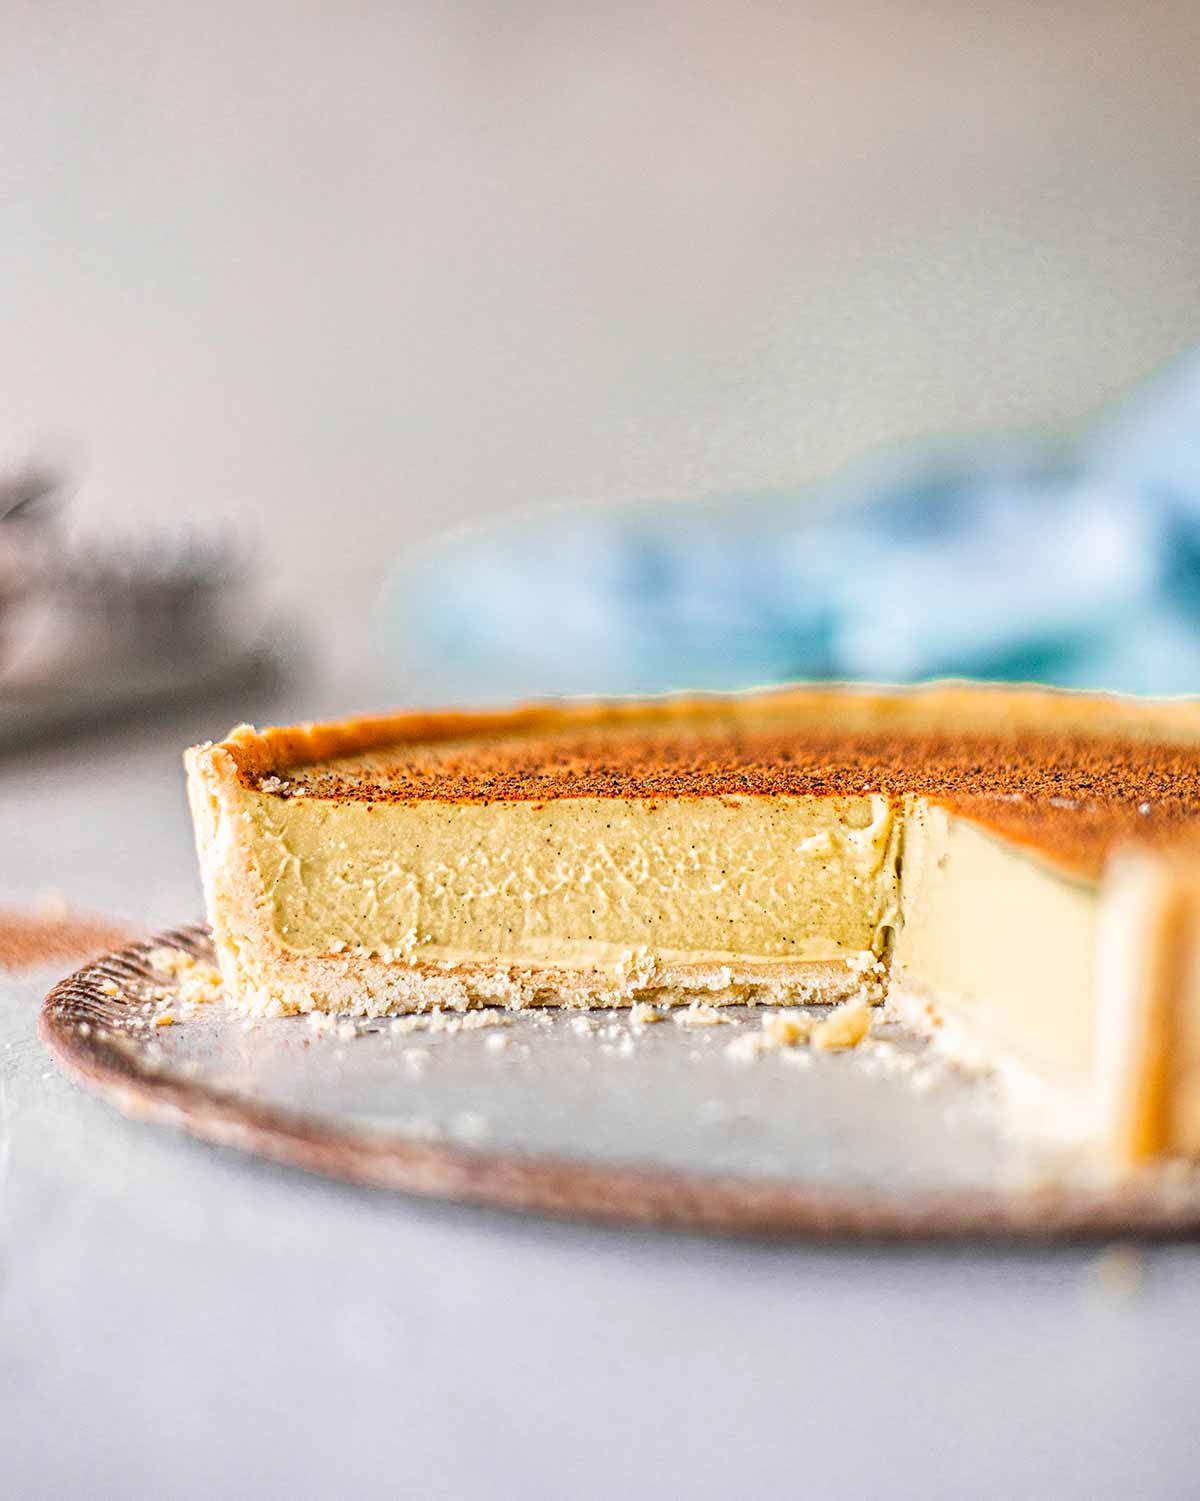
<point x="558" y="1187"/>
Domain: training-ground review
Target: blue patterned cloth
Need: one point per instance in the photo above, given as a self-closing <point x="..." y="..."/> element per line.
<point x="1013" y="561"/>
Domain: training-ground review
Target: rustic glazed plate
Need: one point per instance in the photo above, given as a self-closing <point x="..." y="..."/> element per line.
<point x="593" y="1116"/>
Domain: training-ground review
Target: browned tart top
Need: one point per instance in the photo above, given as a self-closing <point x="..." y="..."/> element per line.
<point x="1068" y="793"/>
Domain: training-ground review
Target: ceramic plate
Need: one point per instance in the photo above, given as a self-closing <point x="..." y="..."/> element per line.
<point x="593" y="1116"/>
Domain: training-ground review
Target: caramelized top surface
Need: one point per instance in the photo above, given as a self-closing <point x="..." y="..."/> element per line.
<point x="1069" y="794"/>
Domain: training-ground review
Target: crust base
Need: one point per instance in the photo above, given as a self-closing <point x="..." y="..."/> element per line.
<point x="269" y="980"/>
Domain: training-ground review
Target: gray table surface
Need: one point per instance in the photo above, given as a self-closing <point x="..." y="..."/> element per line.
<point x="176" y="1320"/>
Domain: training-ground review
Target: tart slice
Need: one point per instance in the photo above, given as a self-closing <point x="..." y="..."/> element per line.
<point x="1010" y="868"/>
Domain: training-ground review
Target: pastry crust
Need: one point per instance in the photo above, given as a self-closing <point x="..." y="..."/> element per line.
<point x="956" y="706"/>
<point x="267" y="978"/>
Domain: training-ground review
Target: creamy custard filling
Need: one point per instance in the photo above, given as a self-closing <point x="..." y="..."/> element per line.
<point x="585" y="883"/>
<point x="1004" y="942"/>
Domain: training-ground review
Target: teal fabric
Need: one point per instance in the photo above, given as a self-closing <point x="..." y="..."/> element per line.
<point x="1010" y="560"/>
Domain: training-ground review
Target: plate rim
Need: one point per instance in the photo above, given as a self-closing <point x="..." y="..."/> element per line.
<point x="79" y="1024"/>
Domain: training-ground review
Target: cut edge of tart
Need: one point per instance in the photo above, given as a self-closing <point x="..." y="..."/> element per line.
<point x="1012" y="869"/>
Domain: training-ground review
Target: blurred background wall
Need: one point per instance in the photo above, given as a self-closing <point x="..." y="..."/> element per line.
<point x="345" y="275"/>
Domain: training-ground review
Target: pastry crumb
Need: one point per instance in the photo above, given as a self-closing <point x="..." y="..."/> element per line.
<point x="437" y="1020"/>
<point x="786" y="1029"/>
<point x="642" y="1014"/>
<point x="700" y="1014"/>
<point x="779" y="1031"/>
<point x="169" y="961"/>
<point x="844" y="1027"/>
<point x="787" y="1033"/>
<point x="473" y="1020"/>
<point x="196" y="983"/>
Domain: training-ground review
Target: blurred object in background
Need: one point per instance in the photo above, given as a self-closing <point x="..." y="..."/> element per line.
<point x="30" y="493"/>
<point x="90" y="632"/>
<point x="1013" y="561"/>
